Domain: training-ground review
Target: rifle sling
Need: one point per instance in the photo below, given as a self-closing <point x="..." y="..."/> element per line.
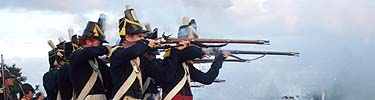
<point x="91" y="82"/>
<point x="130" y="80"/>
<point x="180" y="84"/>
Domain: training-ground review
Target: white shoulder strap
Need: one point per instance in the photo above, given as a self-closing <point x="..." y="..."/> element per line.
<point x="180" y="84"/>
<point x="126" y="85"/>
<point x="113" y="50"/>
<point x="58" y="95"/>
<point x="95" y="66"/>
<point x="90" y="83"/>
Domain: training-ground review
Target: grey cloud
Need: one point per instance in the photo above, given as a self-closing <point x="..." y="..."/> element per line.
<point x="210" y="4"/>
<point x="54" y="5"/>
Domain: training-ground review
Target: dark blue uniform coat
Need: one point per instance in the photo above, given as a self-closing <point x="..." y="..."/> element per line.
<point x="80" y="70"/>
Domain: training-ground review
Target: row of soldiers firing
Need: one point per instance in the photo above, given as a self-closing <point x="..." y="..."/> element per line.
<point x="86" y="69"/>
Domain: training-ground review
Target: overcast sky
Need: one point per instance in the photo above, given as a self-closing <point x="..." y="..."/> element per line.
<point x="336" y="39"/>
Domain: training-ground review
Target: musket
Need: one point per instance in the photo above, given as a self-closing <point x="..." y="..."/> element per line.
<point x="176" y="40"/>
<point x="165" y="40"/>
<point x="263" y="52"/>
<point x="3" y="78"/>
<point x="211" y="60"/>
<point x="216" y="51"/>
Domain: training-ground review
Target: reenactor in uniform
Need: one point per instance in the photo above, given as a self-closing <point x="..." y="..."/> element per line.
<point x="178" y="70"/>
<point x="150" y="66"/>
<point x="125" y="60"/>
<point x="50" y="78"/>
<point x="71" y="46"/>
<point x="61" y="52"/>
<point x="175" y="81"/>
<point x="90" y="75"/>
<point x="65" y="87"/>
<point x="27" y="92"/>
<point x="8" y="82"/>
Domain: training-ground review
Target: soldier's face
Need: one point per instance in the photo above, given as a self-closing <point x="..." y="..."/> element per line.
<point x="94" y="42"/>
<point x="30" y="94"/>
<point x="9" y="82"/>
<point x="134" y="38"/>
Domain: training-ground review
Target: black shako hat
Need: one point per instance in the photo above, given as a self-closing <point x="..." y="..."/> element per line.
<point x="130" y="23"/>
<point x="27" y="87"/>
<point x="93" y="30"/>
<point x="7" y="74"/>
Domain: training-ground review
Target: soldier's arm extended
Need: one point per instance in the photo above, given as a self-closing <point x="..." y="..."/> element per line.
<point x="132" y="52"/>
<point x="92" y="52"/>
<point x="174" y="61"/>
<point x="208" y="77"/>
<point x="189" y="53"/>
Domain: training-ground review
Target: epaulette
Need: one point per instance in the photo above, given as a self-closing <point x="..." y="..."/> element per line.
<point x="113" y="50"/>
<point x="75" y="46"/>
<point x="167" y="53"/>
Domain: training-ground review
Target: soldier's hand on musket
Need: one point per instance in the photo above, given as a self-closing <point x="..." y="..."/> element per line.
<point x="226" y="54"/>
<point x="182" y="45"/>
<point x="207" y="54"/>
<point x="152" y="43"/>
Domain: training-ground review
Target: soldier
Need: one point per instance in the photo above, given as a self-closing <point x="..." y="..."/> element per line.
<point x="71" y="46"/>
<point x="61" y="52"/>
<point x="89" y="74"/>
<point x="8" y="82"/>
<point x="27" y="92"/>
<point x="150" y="68"/>
<point x="179" y="71"/>
<point x="125" y="61"/>
<point x="50" y="78"/>
<point x="64" y="83"/>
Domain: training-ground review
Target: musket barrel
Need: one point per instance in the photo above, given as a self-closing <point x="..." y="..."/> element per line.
<point x="211" y="60"/>
<point x="176" y="40"/>
<point x="264" y="52"/>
